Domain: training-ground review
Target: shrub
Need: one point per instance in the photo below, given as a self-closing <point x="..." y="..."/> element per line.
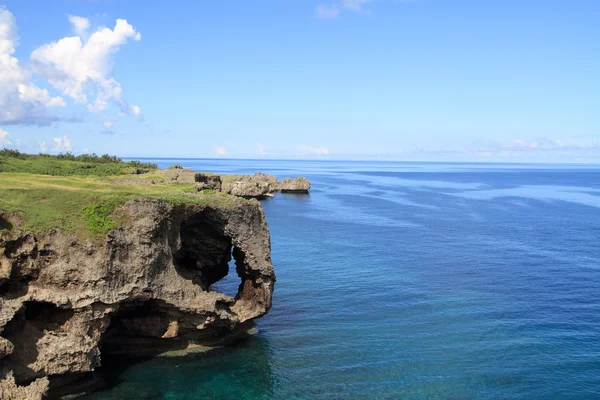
<point x="97" y="215"/>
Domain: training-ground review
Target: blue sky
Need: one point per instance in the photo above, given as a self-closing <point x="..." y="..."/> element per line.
<point x="452" y="80"/>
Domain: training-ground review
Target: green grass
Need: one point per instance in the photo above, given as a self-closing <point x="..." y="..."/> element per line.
<point x="209" y="191"/>
<point x="68" y="164"/>
<point x="98" y="215"/>
<point x="72" y="200"/>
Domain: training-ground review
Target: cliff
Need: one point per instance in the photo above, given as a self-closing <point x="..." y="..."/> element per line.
<point x="67" y="301"/>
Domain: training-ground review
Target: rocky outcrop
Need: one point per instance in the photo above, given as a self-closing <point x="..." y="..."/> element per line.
<point x="67" y="303"/>
<point x="176" y="173"/>
<point x="297" y="185"/>
<point x="208" y="182"/>
<point x="261" y="185"/>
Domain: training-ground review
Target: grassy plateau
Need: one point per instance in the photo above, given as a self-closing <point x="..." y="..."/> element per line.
<point x="78" y="194"/>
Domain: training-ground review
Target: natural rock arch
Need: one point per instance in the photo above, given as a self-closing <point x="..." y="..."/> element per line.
<point x="145" y="287"/>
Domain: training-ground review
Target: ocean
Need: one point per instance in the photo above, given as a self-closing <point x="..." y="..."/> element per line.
<point x="411" y="281"/>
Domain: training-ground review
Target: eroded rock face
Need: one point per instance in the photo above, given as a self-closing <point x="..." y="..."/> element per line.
<point x="261" y="185"/>
<point x="208" y="182"/>
<point x="297" y="185"/>
<point x="65" y="303"/>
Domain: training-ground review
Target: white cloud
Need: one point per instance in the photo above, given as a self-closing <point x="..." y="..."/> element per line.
<point x="108" y="124"/>
<point x="308" y="150"/>
<point x="135" y="111"/>
<point x="21" y="101"/>
<point x="329" y="11"/>
<point x="43" y="147"/>
<point x="80" y="67"/>
<point x="544" y="143"/>
<point x="221" y="151"/>
<point x="261" y="150"/>
<point x="3" y="139"/>
<point x="334" y="10"/>
<point x="62" y="144"/>
<point x="80" y="25"/>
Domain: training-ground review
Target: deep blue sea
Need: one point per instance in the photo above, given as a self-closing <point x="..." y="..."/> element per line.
<point x="412" y="281"/>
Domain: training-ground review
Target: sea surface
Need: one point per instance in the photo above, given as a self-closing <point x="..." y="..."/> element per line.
<point x="411" y="281"/>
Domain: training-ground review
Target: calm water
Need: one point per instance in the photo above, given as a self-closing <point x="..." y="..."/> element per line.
<point x="412" y="281"/>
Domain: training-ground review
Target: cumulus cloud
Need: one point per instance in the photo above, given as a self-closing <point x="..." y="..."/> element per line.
<point x="4" y="138"/>
<point x="80" y="25"/>
<point x="308" y="150"/>
<point x="21" y="101"/>
<point x="43" y="147"/>
<point x="62" y="144"/>
<point x="108" y="124"/>
<point x="80" y="67"/>
<point x="261" y="150"/>
<point x="221" y="151"/>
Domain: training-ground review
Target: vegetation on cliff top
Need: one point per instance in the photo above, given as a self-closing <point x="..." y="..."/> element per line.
<point x="67" y="164"/>
<point x="78" y="194"/>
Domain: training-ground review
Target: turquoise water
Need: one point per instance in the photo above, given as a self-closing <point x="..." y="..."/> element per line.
<point x="412" y="281"/>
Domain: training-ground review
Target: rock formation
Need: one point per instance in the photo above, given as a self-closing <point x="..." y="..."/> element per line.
<point x="297" y="185"/>
<point x="65" y="303"/>
<point x="208" y="182"/>
<point x="260" y="185"/>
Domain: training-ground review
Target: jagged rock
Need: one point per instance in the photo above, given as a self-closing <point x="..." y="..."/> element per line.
<point x="65" y="303"/>
<point x="9" y="390"/>
<point x="297" y="185"/>
<point x="262" y="177"/>
<point x="6" y="347"/>
<point x="178" y="175"/>
<point x="262" y="185"/>
<point x="247" y="189"/>
<point x="208" y="182"/>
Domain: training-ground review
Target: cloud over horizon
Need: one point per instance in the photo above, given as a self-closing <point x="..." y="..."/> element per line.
<point x="221" y="151"/>
<point x="62" y="144"/>
<point x="308" y="150"/>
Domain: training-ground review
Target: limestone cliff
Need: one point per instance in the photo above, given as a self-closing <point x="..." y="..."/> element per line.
<point x="65" y="303"/>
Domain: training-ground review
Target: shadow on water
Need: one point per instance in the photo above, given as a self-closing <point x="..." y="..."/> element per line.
<point x="240" y="371"/>
<point x="298" y="195"/>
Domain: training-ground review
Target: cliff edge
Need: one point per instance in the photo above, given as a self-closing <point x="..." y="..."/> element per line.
<point x="143" y="288"/>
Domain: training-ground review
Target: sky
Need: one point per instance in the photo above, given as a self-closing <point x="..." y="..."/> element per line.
<point x="414" y="80"/>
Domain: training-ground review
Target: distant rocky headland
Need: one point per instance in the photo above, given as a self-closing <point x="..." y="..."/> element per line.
<point x="101" y="258"/>
<point x="256" y="186"/>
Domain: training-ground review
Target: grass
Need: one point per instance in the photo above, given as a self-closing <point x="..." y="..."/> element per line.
<point x="82" y="200"/>
<point x="69" y="164"/>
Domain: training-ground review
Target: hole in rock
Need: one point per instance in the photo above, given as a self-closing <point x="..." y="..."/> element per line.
<point x="206" y="254"/>
<point x="140" y="329"/>
<point x="230" y="283"/>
